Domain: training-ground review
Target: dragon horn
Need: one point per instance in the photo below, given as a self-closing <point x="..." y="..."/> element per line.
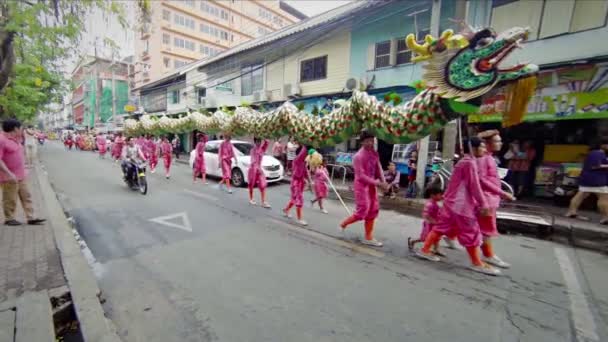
<point x="422" y="51"/>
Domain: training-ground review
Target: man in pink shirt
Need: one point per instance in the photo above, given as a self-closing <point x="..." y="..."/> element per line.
<point x="463" y="202"/>
<point x="12" y="175"/>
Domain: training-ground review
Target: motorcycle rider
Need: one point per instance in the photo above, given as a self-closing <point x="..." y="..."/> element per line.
<point x="131" y="155"/>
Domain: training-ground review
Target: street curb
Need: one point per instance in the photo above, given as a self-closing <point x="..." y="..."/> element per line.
<point x="95" y="327"/>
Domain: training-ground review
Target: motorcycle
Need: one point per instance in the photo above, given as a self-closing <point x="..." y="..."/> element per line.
<point x="137" y="181"/>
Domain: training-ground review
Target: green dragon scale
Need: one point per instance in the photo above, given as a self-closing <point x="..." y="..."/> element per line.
<point x="460" y="69"/>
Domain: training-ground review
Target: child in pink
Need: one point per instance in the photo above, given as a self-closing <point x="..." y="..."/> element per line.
<point x="166" y="148"/>
<point x="368" y="175"/>
<point x="298" y="181"/>
<point x="320" y="178"/>
<point x="255" y="175"/>
<point x="199" y="159"/>
<point x="101" y="145"/>
<point x="430" y="214"/>
<point x="226" y="156"/>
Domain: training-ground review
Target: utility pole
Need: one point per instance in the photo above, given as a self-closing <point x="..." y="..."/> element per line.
<point x="113" y="91"/>
<point x="423" y="146"/>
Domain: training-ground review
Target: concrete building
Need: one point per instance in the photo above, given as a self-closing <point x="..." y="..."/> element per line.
<point x="180" y="32"/>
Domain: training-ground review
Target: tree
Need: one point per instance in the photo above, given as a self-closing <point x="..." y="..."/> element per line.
<point x="36" y="36"/>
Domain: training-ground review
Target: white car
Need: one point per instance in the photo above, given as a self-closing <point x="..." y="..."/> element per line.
<point x="273" y="170"/>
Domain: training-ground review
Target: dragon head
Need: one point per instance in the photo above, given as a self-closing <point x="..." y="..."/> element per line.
<point x="466" y="66"/>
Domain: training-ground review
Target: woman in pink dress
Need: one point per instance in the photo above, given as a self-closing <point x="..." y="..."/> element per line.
<point x="101" y="145"/>
<point x="119" y="143"/>
<point x="255" y="176"/>
<point x="166" y="149"/>
<point x="226" y="156"/>
<point x="152" y="153"/>
<point x="490" y="184"/>
<point x="368" y="176"/>
<point x="298" y="181"/>
<point x="199" y="159"/>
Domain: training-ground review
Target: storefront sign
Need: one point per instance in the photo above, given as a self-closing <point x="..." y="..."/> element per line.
<point x="570" y="93"/>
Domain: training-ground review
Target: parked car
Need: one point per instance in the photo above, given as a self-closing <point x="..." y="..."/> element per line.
<point x="273" y="170"/>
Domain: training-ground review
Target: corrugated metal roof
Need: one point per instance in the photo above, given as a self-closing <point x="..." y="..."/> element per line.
<point x="303" y="25"/>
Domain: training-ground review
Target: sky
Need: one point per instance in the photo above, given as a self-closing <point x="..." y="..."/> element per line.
<point x="314" y="7"/>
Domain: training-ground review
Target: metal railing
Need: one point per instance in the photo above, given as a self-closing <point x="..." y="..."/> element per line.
<point x="333" y="168"/>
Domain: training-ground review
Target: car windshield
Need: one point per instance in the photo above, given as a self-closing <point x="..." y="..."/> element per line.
<point x="244" y="148"/>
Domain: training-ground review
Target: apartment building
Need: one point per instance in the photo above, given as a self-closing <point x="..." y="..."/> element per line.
<point x="184" y="31"/>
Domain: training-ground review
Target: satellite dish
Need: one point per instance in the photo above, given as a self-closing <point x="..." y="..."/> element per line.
<point x="351" y="84"/>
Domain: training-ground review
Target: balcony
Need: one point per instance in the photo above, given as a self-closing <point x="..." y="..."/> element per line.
<point x="146" y="76"/>
<point x="145" y="55"/>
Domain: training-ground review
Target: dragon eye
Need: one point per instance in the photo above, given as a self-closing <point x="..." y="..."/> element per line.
<point x="483" y="42"/>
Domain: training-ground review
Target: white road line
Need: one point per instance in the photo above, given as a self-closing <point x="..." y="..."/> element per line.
<point x="201" y="195"/>
<point x="584" y="325"/>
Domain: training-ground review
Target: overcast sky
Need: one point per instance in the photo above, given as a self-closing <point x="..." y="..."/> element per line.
<point x="314" y="7"/>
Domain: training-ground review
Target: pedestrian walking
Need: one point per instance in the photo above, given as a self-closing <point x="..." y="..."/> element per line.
<point x="13" y="176"/>
<point x="278" y="151"/>
<point x="320" y="177"/>
<point x="226" y="156"/>
<point x="291" y="148"/>
<point x="177" y="148"/>
<point x="166" y="150"/>
<point x="101" y="145"/>
<point x="430" y="215"/>
<point x="199" y="159"/>
<point x="368" y="176"/>
<point x="255" y="175"/>
<point x="463" y="201"/>
<point x="117" y="146"/>
<point x="490" y="185"/>
<point x="152" y="148"/>
<point x="298" y="181"/>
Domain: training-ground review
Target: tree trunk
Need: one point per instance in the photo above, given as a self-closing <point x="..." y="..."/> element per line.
<point x="7" y="57"/>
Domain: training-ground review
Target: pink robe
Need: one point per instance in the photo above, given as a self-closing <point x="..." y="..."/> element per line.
<point x="490" y="185"/>
<point x="226" y="156"/>
<point x="152" y="150"/>
<point x="461" y="202"/>
<point x="320" y="179"/>
<point x="298" y="179"/>
<point x="255" y="175"/>
<point x="119" y="143"/>
<point x="165" y="150"/>
<point x="431" y="209"/>
<point x="101" y="144"/>
<point x="199" y="159"/>
<point x="367" y="177"/>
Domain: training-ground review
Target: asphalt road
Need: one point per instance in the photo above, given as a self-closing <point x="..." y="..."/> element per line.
<point x="190" y="263"/>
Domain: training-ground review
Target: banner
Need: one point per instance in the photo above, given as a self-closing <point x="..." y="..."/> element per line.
<point x="570" y="93"/>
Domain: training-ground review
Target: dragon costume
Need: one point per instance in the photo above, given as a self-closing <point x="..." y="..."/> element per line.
<point x="459" y="70"/>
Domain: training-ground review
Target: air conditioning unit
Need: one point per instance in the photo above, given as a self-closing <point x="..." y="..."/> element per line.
<point x="259" y="96"/>
<point x="352" y="84"/>
<point x="291" y="90"/>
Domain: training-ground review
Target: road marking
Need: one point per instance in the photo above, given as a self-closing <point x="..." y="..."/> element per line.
<point x="201" y="195"/>
<point x="584" y="325"/>
<point x="164" y="220"/>
<point x="332" y="239"/>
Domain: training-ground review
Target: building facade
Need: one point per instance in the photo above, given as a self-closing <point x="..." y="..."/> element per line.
<point x="180" y="32"/>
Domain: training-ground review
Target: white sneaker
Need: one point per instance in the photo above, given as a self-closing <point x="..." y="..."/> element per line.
<point x="450" y="243"/>
<point x="252" y="202"/>
<point x="286" y="213"/>
<point x="324" y="211"/>
<point x="496" y="261"/>
<point x="485" y="269"/>
<point x="372" y="242"/>
<point x="341" y="230"/>
<point x="430" y="257"/>
<point x="153" y="171"/>
<point x="266" y="205"/>
<point x="229" y="191"/>
<point x="302" y="223"/>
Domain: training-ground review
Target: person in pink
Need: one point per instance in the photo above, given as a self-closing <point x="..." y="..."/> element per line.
<point x="255" y="175"/>
<point x="101" y="145"/>
<point x="490" y="184"/>
<point x="430" y="214"/>
<point x="368" y="175"/>
<point x="152" y="149"/>
<point x="166" y="150"/>
<point x="199" y="159"/>
<point x="119" y="143"/>
<point x="226" y="156"/>
<point x="320" y="177"/>
<point x="463" y="202"/>
<point x="298" y="181"/>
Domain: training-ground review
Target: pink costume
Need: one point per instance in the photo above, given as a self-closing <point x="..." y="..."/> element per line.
<point x="320" y="179"/>
<point x="119" y="143"/>
<point x="298" y="179"/>
<point x="431" y="209"/>
<point x="165" y="150"/>
<point x="490" y="184"/>
<point x="152" y="153"/>
<point x="255" y="175"/>
<point x="199" y="159"/>
<point x="101" y="144"/>
<point x="367" y="177"/>
<point x="462" y="199"/>
<point x="226" y="156"/>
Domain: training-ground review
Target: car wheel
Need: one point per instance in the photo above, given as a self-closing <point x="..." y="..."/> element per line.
<point x="237" y="178"/>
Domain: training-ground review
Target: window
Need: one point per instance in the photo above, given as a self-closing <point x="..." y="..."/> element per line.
<point x="166" y="15"/>
<point x="178" y="42"/>
<point x="190" y="45"/>
<point x="166" y="39"/>
<point x="264" y="14"/>
<point x="174" y="98"/>
<point x="403" y="54"/>
<point x="189" y="3"/>
<point x="383" y="54"/>
<point x="278" y="21"/>
<point x="226" y="86"/>
<point x="224" y="15"/>
<point x="166" y="62"/>
<point x="183" y="21"/>
<point x="223" y="34"/>
<point x="252" y="79"/>
<point x="205" y="28"/>
<point x="262" y="30"/>
<point x="212" y="148"/>
<point x="210" y="9"/>
<point x="147" y="46"/>
<point x="201" y="93"/>
<point x="313" y="69"/>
